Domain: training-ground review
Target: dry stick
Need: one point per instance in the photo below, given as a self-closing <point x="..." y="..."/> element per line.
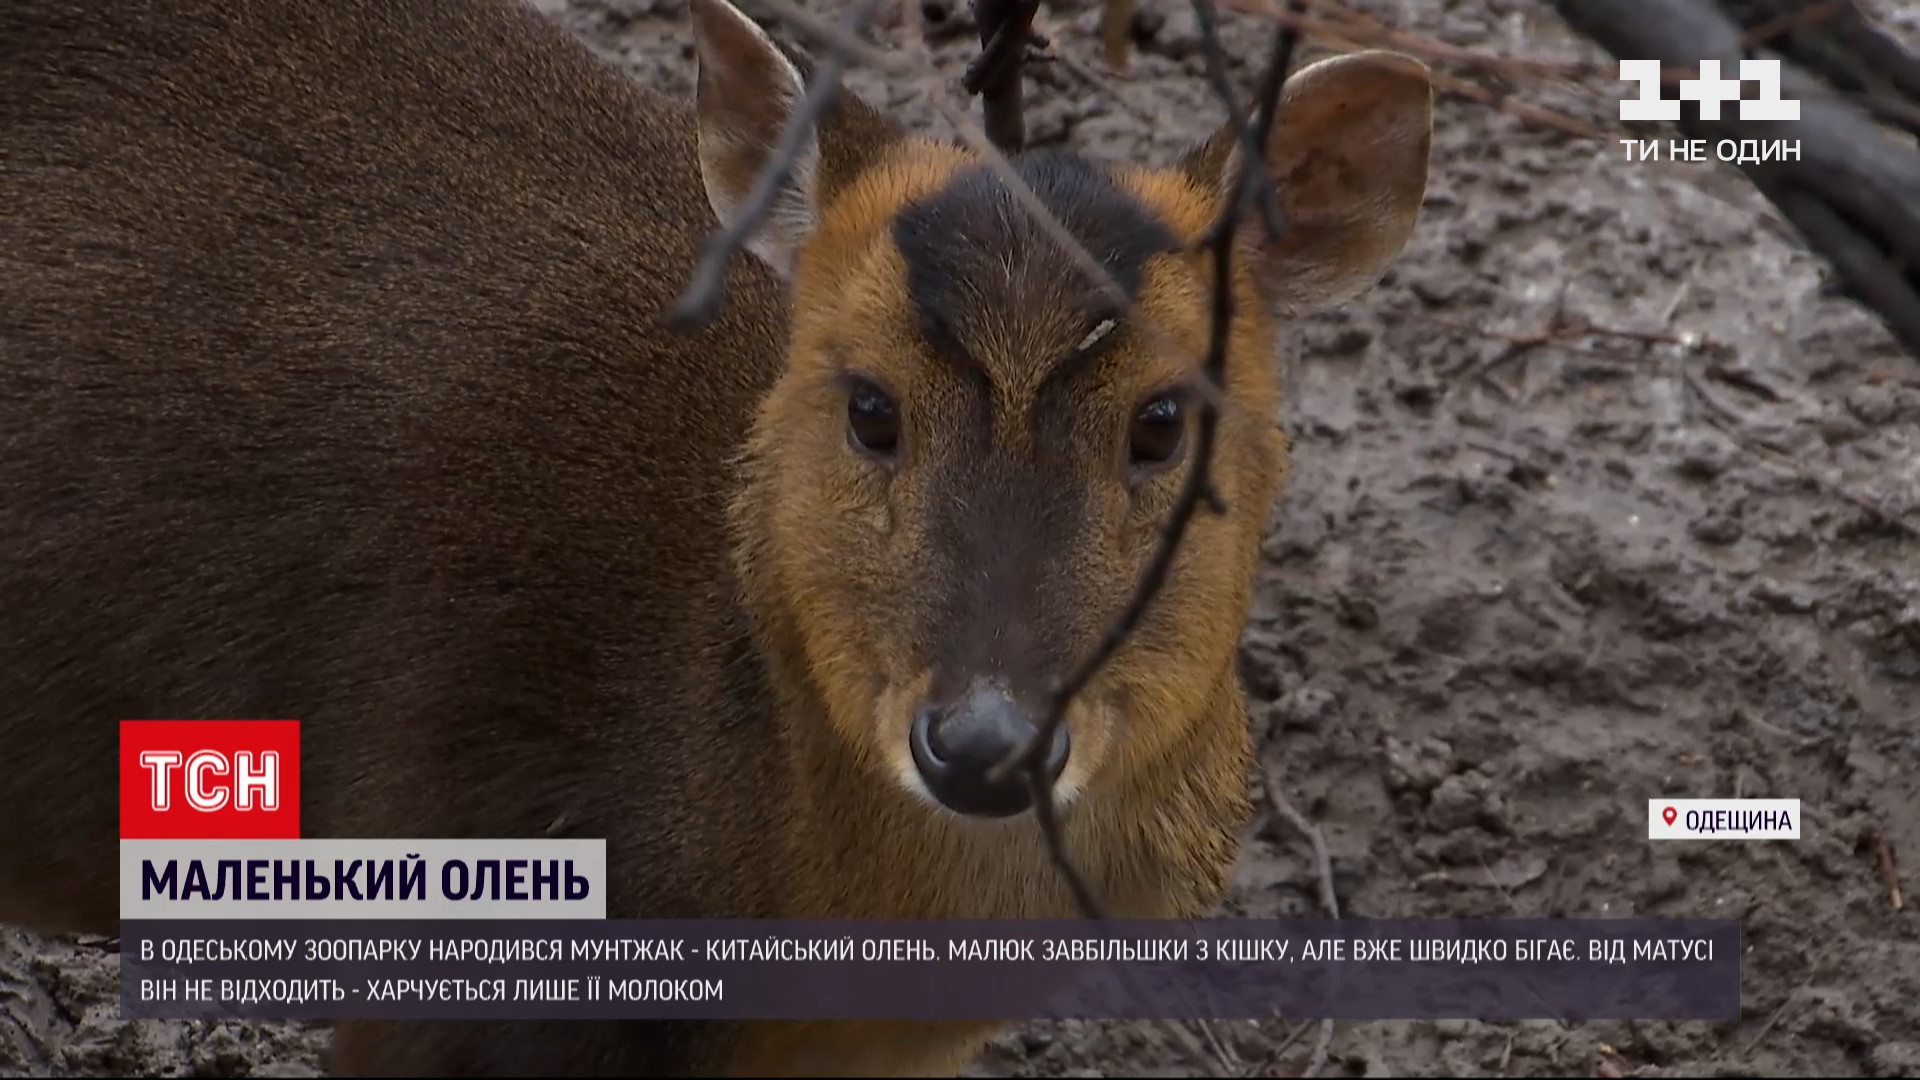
<point x="844" y="40"/>
<point x="1775" y="1017"/>
<point x="1006" y="28"/>
<point x="1494" y="99"/>
<point x="1732" y="423"/>
<point x="838" y="37"/>
<point x="1323" y="865"/>
<point x="1197" y="487"/>
<point x="701" y="300"/>
<point x="1116" y="30"/>
<point x="1359" y="33"/>
<point x="1525" y="110"/>
<point x="1557" y="334"/>
<point x="1251" y="154"/>
<point x="1355" y="26"/>
<point x="1491" y="63"/>
<point x="969" y="132"/>
<point x="847" y="41"/>
<point x="1045" y="815"/>
<point x="1721" y="415"/>
<point x="1220" y="238"/>
<point x="1044" y="810"/>
<point x="1099" y="82"/>
<point x="1788" y="21"/>
<point x="1083" y="259"/>
<point x="1889" y="871"/>
<point x="1273" y="1056"/>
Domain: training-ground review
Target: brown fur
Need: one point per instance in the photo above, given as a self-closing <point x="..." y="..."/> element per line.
<point x="333" y="384"/>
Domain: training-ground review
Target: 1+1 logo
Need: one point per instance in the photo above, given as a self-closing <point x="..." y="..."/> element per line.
<point x="1710" y="90"/>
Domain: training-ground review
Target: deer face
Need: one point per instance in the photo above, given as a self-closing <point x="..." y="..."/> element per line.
<point x="964" y="470"/>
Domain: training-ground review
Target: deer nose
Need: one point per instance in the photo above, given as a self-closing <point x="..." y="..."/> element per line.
<point x="957" y="746"/>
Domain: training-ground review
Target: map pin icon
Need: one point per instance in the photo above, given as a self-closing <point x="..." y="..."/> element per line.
<point x="1669" y="814"/>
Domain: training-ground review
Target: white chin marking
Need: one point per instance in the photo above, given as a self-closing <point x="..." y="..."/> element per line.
<point x="908" y="774"/>
<point x="1066" y="789"/>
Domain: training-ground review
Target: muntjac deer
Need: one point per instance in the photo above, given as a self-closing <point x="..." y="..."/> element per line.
<point x="335" y="384"/>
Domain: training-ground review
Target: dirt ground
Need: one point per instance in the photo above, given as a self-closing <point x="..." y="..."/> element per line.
<point x="1513" y="591"/>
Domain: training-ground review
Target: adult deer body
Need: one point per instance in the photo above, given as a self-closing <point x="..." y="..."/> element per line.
<point x="334" y="385"/>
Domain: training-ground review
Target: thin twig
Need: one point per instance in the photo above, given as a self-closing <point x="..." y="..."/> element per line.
<point x="1322" y="862"/>
<point x="1256" y="184"/>
<point x="701" y="299"/>
<point x="1057" y="231"/>
<point x="838" y="36"/>
<point x="1732" y="423"/>
<point x="1507" y="103"/>
<point x="1116" y="32"/>
<point x="1329" y="899"/>
<point x="1322" y="1050"/>
<point x="1792" y="997"/>
<point x="844" y="42"/>
<point x="1349" y="31"/>
<point x="1039" y="781"/>
<point x="1559" y="333"/>
<point x="1883" y="861"/>
<point x="998" y="161"/>
<point x="1252" y="153"/>
<point x="1224" y="1057"/>
<point x="1099" y="82"/>
<point x="1221" y="240"/>
<point x="1355" y="26"/>
<point x="1006" y="29"/>
<point x="1212" y="396"/>
<point x="1788" y="21"/>
<point x="1273" y="1056"/>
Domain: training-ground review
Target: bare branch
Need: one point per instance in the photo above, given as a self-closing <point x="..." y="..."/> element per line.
<point x="1006" y="29"/>
<point x="1056" y="231"/>
<point x="1081" y="71"/>
<point x="1221" y="240"/>
<point x="1329" y="900"/>
<point x="1350" y="31"/>
<point x="1252" y="141"/>
<point x="841" y="37"/>
<point x="1116" y="32"/>
<point x="701" y="299"/>
<point x="1353" y="26"/>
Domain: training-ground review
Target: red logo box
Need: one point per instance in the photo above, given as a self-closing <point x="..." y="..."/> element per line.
<point x="209" y="779"/>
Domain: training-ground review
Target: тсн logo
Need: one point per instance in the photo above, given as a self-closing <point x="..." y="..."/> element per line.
<point x="209" y="779"/>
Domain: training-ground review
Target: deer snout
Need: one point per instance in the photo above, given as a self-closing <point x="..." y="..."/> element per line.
<point x="956" y="748"/>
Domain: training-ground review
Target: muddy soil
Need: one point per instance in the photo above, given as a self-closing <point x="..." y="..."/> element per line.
<point x="1515" y="589"/>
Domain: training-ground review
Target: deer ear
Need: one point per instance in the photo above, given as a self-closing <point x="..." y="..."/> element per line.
<point x="1348" y="154"/>
<point x="746" y="91"/>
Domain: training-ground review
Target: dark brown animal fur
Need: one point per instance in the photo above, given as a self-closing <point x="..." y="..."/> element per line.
<point x="333" y="385"/>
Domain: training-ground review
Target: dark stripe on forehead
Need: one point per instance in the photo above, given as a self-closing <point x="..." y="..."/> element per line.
<point x="973" y="253"/>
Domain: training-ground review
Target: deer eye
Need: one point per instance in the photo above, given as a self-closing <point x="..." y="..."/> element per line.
<point x="1158" y="433"/>
<point x="873" y="422"/>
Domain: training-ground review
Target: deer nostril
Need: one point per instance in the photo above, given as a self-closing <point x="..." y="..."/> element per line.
<point x="957" y="749"/>
<point x="936" y="737"/>
<point x="928" y="748"/>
